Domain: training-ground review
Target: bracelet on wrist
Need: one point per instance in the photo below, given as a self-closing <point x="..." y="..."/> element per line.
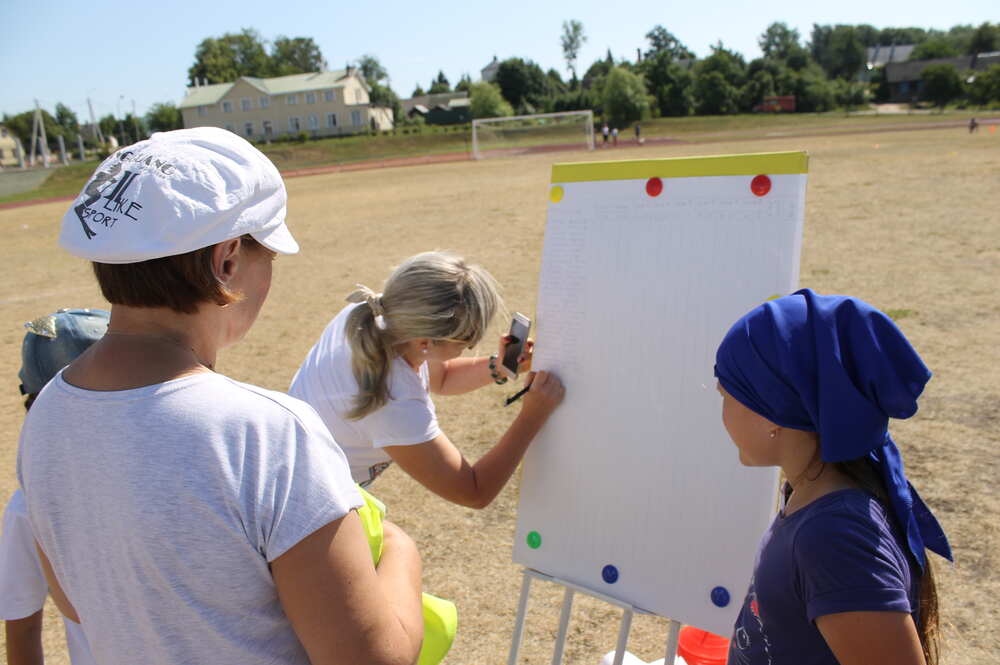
<point x="497" y="379"/>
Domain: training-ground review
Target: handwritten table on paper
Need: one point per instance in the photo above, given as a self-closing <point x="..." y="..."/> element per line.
<point x="645" y="266"/>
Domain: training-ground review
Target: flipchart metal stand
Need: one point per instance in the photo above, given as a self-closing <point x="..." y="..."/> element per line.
<point x="571" y="589"/>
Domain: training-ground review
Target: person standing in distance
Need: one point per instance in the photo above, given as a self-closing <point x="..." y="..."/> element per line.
<point x="372" y="371"/>
<point x="183" y="516"/>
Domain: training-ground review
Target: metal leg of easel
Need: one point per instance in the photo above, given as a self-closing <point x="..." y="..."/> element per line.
<point x="623" y="636"/>
<point x="522" y="610"/>
<point x="673" y="636"/>
<point x="567" y="609"/>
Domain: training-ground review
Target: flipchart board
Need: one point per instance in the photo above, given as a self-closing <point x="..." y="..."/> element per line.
<point x="633" y="489"/>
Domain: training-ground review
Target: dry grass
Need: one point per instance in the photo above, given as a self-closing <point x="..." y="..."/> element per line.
<point x="907" y="221"/>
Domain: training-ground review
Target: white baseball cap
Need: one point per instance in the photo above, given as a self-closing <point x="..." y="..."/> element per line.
<point x="174" y="193"/>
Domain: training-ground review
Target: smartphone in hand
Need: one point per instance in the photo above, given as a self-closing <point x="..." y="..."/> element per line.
<point x="520" y="325"/>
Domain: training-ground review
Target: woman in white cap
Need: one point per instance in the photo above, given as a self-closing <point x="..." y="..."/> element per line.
<point x="184" y="517"/>
<point x="371" y="373"/>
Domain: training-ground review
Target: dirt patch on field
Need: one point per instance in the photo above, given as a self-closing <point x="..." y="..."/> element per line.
<point x="905" y="220"/>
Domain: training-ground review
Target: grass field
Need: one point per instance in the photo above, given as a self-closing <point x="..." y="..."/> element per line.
<point x="905" y="220"/>
<point x="436" y="141"/>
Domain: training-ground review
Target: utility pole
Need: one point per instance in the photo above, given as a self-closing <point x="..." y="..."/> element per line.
<point x="135" y="123"/>
<point x="38" y="133"/>
<point x="95" y="129"/>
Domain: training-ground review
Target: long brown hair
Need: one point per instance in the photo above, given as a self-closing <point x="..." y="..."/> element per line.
<point x="863" y="474"/>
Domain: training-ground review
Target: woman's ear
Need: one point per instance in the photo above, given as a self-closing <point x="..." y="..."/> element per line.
<point x="225" y="257"/>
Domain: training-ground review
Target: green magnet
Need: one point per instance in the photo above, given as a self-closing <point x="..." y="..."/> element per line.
<point x="534" y="540"/>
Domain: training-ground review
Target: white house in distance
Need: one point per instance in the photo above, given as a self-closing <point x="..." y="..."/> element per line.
<point x="318" y="103"/>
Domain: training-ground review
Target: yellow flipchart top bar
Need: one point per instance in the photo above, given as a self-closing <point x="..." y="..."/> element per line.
<point x="767" y="163"/>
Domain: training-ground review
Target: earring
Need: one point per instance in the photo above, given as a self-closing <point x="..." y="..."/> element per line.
<point x="774" y="433"/>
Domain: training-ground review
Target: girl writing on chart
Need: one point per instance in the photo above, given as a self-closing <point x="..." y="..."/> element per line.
<point x="371" y="373"/>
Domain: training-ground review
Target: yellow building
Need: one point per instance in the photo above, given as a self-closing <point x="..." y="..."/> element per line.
<point x="8" y="148"/>
<point x="319" y="103"/>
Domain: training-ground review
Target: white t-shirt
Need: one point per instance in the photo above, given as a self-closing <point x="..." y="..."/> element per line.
<point x="161" y="507"/>
<point x="325" y="380"/>
<point x="22" y="583"/>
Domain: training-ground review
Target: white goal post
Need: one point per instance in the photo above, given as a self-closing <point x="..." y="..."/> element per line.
<point x="540" y="132"/>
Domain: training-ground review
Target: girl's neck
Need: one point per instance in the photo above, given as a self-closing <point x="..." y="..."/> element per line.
<point x="809" y="483"/>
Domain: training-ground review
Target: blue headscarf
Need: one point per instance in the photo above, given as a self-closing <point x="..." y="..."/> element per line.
<point x="836" y="366"/>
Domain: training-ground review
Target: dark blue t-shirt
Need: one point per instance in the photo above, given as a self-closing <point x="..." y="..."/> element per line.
<point x="840" y="553"/>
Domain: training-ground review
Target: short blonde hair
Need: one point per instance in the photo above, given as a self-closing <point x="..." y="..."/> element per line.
<point x="435" y="295"/>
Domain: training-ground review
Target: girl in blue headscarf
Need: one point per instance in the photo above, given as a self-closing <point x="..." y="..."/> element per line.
<point x="809" y="383"/>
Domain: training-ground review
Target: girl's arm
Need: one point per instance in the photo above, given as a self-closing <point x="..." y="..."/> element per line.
<point x="440" y="467"/>
<point x="55" y="590"/>
<point x="463" y="375"/>
<point x="24" y="640"/>
<point x="872" y="638"/>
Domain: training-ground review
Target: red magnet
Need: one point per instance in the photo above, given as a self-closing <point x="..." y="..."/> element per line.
<point x="760" y="185"/>
<point x="654" y="186"/>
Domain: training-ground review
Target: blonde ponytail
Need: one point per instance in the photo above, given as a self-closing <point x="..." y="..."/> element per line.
<point x="435" y="295"/>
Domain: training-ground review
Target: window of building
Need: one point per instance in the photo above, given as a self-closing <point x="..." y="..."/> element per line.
<point x="292" y="99"/>
<point x="1" y="149"/>
<point x="202" y="110"/>
<point x="310" y="98"/>
<point x="246" y="104"/>
<point x="227" y="107"/>
<point x="268" y="130"/>
<point x="229" y="128"/>
<point x="294" y="125"/>
<point x="265" y="101"/>
<point x="356" y="118"/>
<point x="331" y="120"/>
<point x="313" y="122"/>
<point x="248" y="128"/>
<point x="329" y="95"/>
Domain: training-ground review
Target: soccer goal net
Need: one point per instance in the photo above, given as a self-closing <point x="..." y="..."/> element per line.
<point x="542" y="132"/>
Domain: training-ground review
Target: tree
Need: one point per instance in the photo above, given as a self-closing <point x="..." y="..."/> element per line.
<point x="662" y="41"/>
<point x="670" y="84"/>
<point x="464" y="84"/>
<point x="295" y="55"/>
<point x="984" y="86"/>
<point x="985" y="39"/>
<point x="372" y="69"/>
<point x="226" y="58"/>
<point x="487" y="102"/>
<point x="66" y="118"/>
<point x="109" y="125"/>
<point x="164" y="117"/>
<point x="440" y="84"/>
<point x="522" y="83"/>
<point x="938" y="47"/>
<point x="838" y="49"/>
<point x="572" y="39"/>
<point x="941" y="84"/>
<point x="715" y="95"/>
<point x="625" y="98"/>
<point x="779" y="41"/>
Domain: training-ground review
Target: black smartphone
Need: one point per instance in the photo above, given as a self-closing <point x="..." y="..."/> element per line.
<point x="520" y="325"/>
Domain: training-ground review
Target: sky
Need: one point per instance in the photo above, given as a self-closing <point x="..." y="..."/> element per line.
<point x="117" y="54"/>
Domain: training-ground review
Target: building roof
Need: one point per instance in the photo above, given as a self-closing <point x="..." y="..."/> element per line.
<point x="432" y="100"/>
<point x="896" y="72"/>
<point x="459" y="102"/>
<point x="880" y="56"/>
<point x="279" y="85"/>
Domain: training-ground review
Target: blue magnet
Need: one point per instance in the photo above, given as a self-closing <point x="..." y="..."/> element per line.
<point x="610" y="574"/>
<point x="720" y="596"/>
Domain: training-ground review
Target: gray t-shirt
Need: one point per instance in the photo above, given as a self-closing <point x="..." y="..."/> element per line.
<point x="160" y="509"/>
